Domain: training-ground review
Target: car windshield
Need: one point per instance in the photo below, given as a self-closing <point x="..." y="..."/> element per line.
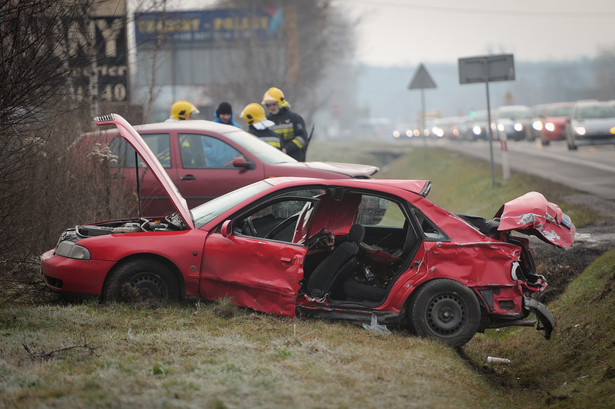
<point x="560" y="111"/>
<point x="515" y="114"/>
<point x="208" y="211"/>
<point x="265" y="152"/>
<point x="597" y="111"/>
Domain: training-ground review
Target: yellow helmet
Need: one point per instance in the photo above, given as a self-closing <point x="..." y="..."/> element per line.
<point x="181" y="110"/>
<point x="274" y="95"/>
<point x="253" y="113"/>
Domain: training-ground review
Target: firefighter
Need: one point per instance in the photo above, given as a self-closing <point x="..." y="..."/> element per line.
<point x="259" y="125"/>
<point x="288" y="124"/>
<point x="181" y="110"/>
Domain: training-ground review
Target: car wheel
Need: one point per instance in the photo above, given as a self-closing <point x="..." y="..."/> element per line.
<point x="141" y="280"/>
<point x="445" y="310"/>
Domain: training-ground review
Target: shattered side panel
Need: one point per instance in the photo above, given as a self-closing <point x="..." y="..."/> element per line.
<point x="266" y="278"/>
<point x="533" y="214"/>
<point x="473" y="263"/>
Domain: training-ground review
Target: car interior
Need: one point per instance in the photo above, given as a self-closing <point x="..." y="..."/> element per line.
<point x="358" y="242"/>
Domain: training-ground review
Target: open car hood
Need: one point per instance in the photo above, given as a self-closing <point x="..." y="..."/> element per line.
<point x="139" y="145"/>
<point x="533" y="214"/>
<point x="351" y="169"/>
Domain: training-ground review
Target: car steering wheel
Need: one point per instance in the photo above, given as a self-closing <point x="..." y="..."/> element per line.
<point x="250" y="225"/>
<point x="280" y="226"/>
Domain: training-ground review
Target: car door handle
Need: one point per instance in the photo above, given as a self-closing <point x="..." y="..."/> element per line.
<point x="287" y="260"/>
<point x="188" y="177"/>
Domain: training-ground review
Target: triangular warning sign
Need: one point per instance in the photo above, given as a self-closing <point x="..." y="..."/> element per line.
<point x="421" y="79"/>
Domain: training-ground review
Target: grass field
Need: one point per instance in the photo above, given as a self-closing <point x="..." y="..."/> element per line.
<point x="214" y="355"/>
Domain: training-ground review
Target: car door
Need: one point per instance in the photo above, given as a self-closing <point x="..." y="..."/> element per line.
<point x="253" y="258"/>
<point x="206" y="169"/>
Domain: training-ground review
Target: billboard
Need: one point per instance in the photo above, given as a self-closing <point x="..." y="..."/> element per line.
<point x="208" y="25"/>
<point x="102" y="70"/>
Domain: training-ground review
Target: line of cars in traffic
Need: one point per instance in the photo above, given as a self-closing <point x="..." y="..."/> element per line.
<point x="579" y="123"/>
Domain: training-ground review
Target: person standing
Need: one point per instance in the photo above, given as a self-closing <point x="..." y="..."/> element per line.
<point x="182" y="110"/>
<point x="259" y="125"/>
<point x="288" y="124"/>
<point x="224" y="115"/>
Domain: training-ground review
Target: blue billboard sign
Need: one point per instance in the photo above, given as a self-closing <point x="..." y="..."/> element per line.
<point x="208" y="25"/>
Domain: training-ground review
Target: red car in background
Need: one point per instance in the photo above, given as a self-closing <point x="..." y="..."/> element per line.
<point x="204" y="160"/>
<point x="554" y="122"/>
<point x="372" y="251"/>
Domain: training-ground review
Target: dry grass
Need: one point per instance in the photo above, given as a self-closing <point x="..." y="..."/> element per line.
<point x="89" y="355"/>
<point x="215" y="355"/>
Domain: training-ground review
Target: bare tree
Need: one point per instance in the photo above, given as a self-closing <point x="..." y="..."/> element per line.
<point x="39" y="192"/>
<point x="316" y="38"/>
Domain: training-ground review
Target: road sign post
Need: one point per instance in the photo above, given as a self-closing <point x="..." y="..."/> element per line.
<point x="487" y="69"/>
<point x="422" y="80"/>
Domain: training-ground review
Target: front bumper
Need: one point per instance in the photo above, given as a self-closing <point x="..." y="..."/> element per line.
<point x="71" y="276"/>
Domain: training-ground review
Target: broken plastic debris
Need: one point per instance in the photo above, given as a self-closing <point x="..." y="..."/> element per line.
<point x="496" y="360"/>
<point x="374" y="326"/>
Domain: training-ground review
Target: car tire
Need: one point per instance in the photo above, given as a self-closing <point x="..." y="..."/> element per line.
<point x="445" y="310"/>
<point x="141" y="280"/>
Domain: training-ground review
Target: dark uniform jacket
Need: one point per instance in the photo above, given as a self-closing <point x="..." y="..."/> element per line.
<point x="266" y="135"/>
<point x="291" y="128"/>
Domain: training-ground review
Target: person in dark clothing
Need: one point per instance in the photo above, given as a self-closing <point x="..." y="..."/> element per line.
<point x="288" y="124"/>
<point x="259" y="125"/>
<point x="224" y="115"/>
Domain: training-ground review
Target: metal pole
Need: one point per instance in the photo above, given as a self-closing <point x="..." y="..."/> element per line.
<point x="490" y="133"/>
<point x="423" y="121"/>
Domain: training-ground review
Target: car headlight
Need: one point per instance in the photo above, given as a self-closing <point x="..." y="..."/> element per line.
<point x="537" y="125"/>
<point x="72" y="250"/>
<point x="476" y="129"/>
<point x="580" y="130"/>
<point x="518" y="127"/>
<point x="501" y="127"/>
<point x="550" y="126"/>
<point x="612" y="130"/>
<point x="396" y="134"/>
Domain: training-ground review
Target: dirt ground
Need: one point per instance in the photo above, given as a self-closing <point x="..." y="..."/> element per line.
<point x="561" y="266"/>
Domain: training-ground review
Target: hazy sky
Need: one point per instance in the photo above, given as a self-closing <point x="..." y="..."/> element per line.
<point x="402" y="32"/>
<point x="410" y="32"/>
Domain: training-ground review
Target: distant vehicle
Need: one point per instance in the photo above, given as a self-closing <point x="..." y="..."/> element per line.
<point x="591" y="123"/>
<point x="477" y="126"/>
<point x="536" y="121"/>
<point x="402" y="131"/>
<point x="512" y="121"/>
<point x="205" y="160"/>
<point x="555" y="118"/>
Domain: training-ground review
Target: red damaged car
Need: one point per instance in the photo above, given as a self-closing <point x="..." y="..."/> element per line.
<point x="372" y="251"/>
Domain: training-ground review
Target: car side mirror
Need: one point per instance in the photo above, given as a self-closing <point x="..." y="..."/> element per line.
<point x="227" y="228"/>
<point x="241" y="162"/>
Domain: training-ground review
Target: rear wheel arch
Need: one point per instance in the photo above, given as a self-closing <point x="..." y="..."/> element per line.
<point x="175" y="279"/>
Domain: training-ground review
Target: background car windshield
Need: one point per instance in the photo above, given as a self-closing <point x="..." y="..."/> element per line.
<point x="208" y="211"/>
<point x="597" y="111"/>
<point x="265" y="152"/>
<point x="560" y="111"/>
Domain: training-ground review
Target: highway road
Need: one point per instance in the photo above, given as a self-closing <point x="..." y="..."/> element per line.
<point x="588" y="169"/>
